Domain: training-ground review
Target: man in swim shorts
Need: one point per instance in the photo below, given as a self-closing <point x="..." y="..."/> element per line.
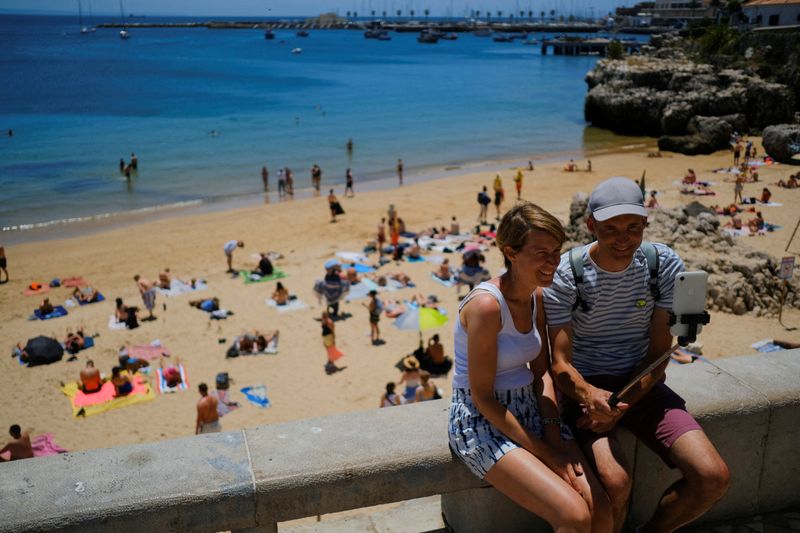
<point x="147" y="289"/>
<point x="207" y="417"/>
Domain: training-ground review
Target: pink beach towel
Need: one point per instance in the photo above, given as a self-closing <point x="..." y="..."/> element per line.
<point x="224" y="404"/>
<point x="45" y="445"/>
<point x="147" y="352"/>
<point x="73" y="282"/>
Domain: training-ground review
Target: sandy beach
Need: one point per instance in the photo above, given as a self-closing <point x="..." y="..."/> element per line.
<point x="298" y="387"/>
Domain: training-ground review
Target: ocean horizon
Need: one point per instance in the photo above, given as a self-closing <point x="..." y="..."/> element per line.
<point x="204" y="110"/>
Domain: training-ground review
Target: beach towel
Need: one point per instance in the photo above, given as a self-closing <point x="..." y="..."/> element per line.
<point x="57" y="312"/>
<point x="352" y="257"/>
<point x="291" y="305"/>
<point x="766" y="346"/>
<point x="257" y="395"/>
<point x="44" y="445"/>
<point x="334" y="353"/>
<point x="114" y="325"/>
<point x="98" y="298"/>
<point x="249" y="277"/>
<point x="361" y="290"/>
<point x="178" y="287"/>
<point x="360" y="268"/>
<point x="104" y="399"/>
<point x="224" y="403"/>
<point x="33" y="292"/>
<point x="147" y="352"/>
<point x="73" y="282"/>
<point x="161" y="382"/>
<point x="419" y="259"/>
<point x="446" y="282"/>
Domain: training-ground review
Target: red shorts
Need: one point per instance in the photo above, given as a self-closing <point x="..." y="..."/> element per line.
<point x="657" y="420"/>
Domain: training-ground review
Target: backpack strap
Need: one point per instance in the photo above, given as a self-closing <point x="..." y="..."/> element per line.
<point x="651" y="255"/>
<point x="576" y="263"/>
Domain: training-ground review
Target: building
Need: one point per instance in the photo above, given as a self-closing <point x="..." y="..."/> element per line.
<point x="682" y="9"/>
<point x="771" y="13"/>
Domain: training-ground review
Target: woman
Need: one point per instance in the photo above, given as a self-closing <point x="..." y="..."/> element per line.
<point x="281" y="295"/>
<point x="390" y="398"/>
<point x="426" y="390"/>
<point x="410" y="377"/>
<point x="375" y="307"/>
<point x="126" y="315"/>
<point x="499" y="194"/>
<point x="504" y="420"/>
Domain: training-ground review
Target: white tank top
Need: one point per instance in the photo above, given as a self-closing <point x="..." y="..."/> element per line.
<point x="514" y="349"/>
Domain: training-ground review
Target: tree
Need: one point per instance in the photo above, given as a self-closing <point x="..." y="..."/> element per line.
<point x="411" y="12"/>
<point x="615" y="50"/>
<point x="399" y="12"/>
<point x="530" y="15"/>
<point x="427" y="12"/>
<point x="553" y="14"/>
<point x="478" y="14"/>
<point x="541" y="15"/>
<point x="348" y="14"/>
<point x="499" y="14"/>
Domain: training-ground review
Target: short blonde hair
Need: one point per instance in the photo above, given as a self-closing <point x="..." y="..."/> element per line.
<point x="520" y="220"/>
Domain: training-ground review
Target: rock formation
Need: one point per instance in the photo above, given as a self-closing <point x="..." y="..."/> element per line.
<point x="692" y="107"/>
<point x="740" y="280"/>
<point x="782" y="143"/>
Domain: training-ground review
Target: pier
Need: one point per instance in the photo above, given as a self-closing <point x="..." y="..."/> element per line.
<point x="580" y="47"/>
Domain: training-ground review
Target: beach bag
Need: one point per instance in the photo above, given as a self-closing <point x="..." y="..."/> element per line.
<point x="223" y="381"/>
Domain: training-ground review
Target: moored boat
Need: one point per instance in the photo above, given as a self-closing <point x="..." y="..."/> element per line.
<point x="269" y="34"/>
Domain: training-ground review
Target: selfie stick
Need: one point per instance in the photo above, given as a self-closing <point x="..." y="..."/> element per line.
<point x="693" y="321"/>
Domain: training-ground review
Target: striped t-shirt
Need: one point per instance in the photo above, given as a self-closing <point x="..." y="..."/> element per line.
<point x="613" y="336"/>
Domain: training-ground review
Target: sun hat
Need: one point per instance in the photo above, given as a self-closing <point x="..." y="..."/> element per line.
<point x="410" y="362"/>
<point x="614" y="197"/>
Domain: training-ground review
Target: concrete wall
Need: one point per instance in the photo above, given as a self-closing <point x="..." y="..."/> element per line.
<point x="252" y="479"/>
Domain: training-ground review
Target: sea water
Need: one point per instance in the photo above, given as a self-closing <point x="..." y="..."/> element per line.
<point x="204" y="110"/>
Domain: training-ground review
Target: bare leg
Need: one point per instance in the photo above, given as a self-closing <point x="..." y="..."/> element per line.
<point x="592" y="491"/>
<point x="614" y="475"/>
<point x="705" y="480"/>
<point x="528" y="482"/>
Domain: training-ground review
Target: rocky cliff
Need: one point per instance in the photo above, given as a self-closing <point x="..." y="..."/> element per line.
<point x="692" y="108"/>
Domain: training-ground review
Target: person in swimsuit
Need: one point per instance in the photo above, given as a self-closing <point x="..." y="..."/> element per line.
<point x="503" y="422"/>
<point x="90" y="380"/>
<point x="410" y="377"/>
<point x="19" y="446"/>
<point x="207" y="416"/>
<point x="148" y="292"/>
<point x="280" y="295"/>
<point x="122" y="383"/>
<point x="375" y="307"/>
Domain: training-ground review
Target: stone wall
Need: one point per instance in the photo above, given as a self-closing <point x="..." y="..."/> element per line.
<point x="252" y="479"/>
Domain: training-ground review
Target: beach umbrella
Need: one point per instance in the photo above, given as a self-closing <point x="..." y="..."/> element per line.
<point x="420" y="319"/>
<point x="43" y="350"/>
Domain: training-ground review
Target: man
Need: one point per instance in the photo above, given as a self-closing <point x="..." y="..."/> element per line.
<point x="265" y="177"/>
<point x="607" y="328"/>
<point x="483" y="201"/>
<point x="90" y="378"/>
<point x="229" y="247"/>
<point x="400" y="170"/>
<point x="207" y="417"/>
<point x="147" y="289"/>
<point x="20" y="445"/>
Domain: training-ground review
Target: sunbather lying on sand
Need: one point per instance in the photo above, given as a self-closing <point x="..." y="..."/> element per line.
<point x="171" y="373"/>
<point x="444" y="272"/>
<point x="255" y="342"/>
<point x="207" y="304"/>
<point x="74" y="342"/>
<point x="85" y="295"/>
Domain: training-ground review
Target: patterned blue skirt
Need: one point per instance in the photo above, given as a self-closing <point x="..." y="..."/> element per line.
<point x="478" y="443"/>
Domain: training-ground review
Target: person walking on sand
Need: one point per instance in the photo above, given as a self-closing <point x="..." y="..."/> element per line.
<point x="381" y="238"/>
<point x="207" y="416"/>
<point x="281" y="183"/>
<point x="738" y="187"/>
<point x="289" y="181"/>
<point x="400" y="170"/>
<point x="349" y="184"/>
<point x="3" y="265"/>
<point x="518" y="183"/>
<point x="265" y="177"/>
<point x="316" y="176"/>
<point x="229" y="247"/>
<point x="483" y="201"/>
<point x="19" y="446"/>
<point x="147" y="289"/>
<point x="499" y="193"/>
<point x="334" y="206"/>
<point x="375" y="307"/>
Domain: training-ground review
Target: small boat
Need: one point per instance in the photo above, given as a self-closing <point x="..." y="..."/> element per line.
<point x="384" y="37"/>
<point x="428" y="37"/>
<point x="302" y="33"/>
<point x="377" y="34"/>
<point x="123" y="34"/>
<point x="297" y="50"/>
<point x="449" y="36"/>
<point x="502" y="39"/>
<point x="84" y="29"/>
<point x="485" y="32"/>
<point x="269" y="34"/>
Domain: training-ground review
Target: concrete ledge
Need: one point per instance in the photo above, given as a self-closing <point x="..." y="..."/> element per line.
<point x="251" y="480"/>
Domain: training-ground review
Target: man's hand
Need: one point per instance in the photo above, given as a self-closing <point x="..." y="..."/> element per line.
<point x="599" y="415"/>
<point x="564" y="467"/>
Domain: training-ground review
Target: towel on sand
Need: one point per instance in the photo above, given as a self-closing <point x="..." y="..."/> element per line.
<point x="98" y="298"/>
<point x="257" y="395"/>
<point x="147" y="352"/>
<point x="164" y="388"/>
<point x="249" y="277"/>
<point x="57" y="312"/>
<point x="224" y="403"/>
<point x="766" y="346"/>
<point x="178" y="287"/>
<point x="291" y="305"/>
<point x="114" y="325"/>
<point x="45" y="445"/>
<point x="104" y="399"/>
<point x="446" y="282"/>
<point x="32" y="292"/>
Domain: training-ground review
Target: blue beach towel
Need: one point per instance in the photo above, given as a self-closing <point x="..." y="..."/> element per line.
<point x="57" y="312"/>
<point x="445" y="282"/>
<point x="361" y="268"/>
<point x="419" y="259"/>
<point x="257" y="395"/>
<point x="99" y="298"/>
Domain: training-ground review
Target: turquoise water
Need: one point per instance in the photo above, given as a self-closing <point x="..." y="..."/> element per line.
<point x="79" y="103"/>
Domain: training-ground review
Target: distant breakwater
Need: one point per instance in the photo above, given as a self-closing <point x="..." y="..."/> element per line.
<point x="401" y="27"/>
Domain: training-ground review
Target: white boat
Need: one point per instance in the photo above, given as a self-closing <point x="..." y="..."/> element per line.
<point x="297" y="50"/>
<point x="84" y="29"/>
<point x="123" y="33"/>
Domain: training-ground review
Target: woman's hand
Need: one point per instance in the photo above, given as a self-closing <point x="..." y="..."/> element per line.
<point x="564" y="467"/>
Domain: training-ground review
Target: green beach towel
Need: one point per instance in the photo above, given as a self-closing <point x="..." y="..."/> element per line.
<point x="246" y="276"/>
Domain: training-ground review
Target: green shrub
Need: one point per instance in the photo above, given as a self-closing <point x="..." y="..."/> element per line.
<point x="615" y="50"/>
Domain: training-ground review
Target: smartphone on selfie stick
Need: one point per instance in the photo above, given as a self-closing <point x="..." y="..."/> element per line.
<point x="686" y="320"/>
